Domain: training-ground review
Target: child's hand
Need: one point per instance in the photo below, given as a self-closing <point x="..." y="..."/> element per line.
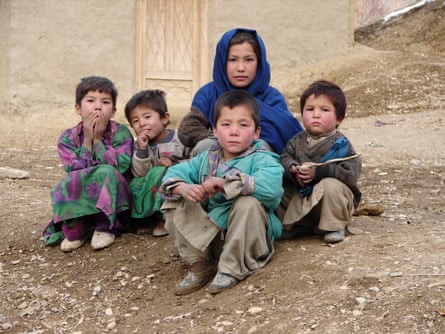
<point x="213" y="185"/>
<point x="143" y="138"/>
<point x="166" y="162"/>
<point x="191" y="192"/>
<point x="89" y="122"/>
<point x="305" y="173"/>
<point x="293" y="169"/>
<point x="100" y="127"/>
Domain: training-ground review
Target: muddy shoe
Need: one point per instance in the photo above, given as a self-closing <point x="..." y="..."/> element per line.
<point x="221" y="282"/>
<point x="199" y="274"/>
<point x="336" y="236"/>
<point x="69" y="246"/>
<point x="102" y="240"/>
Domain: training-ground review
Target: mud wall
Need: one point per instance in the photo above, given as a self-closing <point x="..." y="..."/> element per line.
<point x="297" y="32"/>
<point x="48" y="45"/>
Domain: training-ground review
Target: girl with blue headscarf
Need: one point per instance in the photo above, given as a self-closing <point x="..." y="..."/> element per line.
<point x="240" y="63"/>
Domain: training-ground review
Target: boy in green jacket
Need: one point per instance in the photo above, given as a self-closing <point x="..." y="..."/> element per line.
<point x="219" y="206"/>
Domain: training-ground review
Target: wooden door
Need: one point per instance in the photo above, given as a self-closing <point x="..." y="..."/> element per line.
<point x="170" y="45"/>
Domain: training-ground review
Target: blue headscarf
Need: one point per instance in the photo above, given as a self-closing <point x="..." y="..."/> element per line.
<point x="278" y="124"/>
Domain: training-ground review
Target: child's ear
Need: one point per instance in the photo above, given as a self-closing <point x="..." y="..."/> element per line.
<point x="77" y="108"/>
<point x="166" y="119"/>
<point x="257" y="133"/>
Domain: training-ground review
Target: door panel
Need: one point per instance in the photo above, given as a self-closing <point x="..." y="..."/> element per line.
<point x="168" y="44"/>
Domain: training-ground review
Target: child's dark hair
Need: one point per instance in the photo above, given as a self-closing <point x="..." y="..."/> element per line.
<point x="235" y="98"/>
<point x="329" y="89"/>
<point x="150" y="98"/>
<point x="245" y="36"/>
<point x="95" y="83"/>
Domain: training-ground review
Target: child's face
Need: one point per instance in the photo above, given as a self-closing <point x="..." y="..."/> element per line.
<point x="319" y="115"/>
<point x="235" y="130"/>
<point x="148" y="122"/>
<point x="96" y="102"/>
<point x="242" y="65"/>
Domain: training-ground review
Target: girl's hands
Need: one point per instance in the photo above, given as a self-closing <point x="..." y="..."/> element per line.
<point x="89" y="123"/>
<point x="100" y="126"/>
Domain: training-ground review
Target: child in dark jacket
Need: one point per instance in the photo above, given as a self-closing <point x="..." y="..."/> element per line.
<point x="321" y="169"/>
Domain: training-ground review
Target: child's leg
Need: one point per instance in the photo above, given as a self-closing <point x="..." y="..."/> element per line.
<point x="185" y="224"/>
<point x="159" y="229"/>
<point x="76" y="229"/>
<point x="336" y="206"/>
<point x="247" y="246"/>
<point x="104" y="235"/>
<point x="193" y="231"/>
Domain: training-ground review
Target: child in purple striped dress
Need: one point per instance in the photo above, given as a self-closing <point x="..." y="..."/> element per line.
<point x="94" y="198"/>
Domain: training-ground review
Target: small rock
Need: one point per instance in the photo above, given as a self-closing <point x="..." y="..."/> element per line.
<point x="6" y="325"/>
<point x="97" y="290"/>
<point x="111" y="325"/>
<point x="12" y="173"/>
<point x="255" y="310"/>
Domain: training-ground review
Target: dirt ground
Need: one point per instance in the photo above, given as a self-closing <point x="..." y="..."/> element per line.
<point x="389" y="277"/>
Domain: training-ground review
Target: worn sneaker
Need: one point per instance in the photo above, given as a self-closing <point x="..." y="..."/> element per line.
<point x="159" y="230"/>
<point x="336" y="236"/>
<point x="102" y="240"/>
<point x="69" y="246"/>
<point x="295" y="232"/>
<point x="198" y="275"/>
<point x="221" y="282"/>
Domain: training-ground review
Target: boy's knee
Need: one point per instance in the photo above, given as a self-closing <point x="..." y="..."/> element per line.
<point x="333" y="186"/>
<point x="247" y="203"/>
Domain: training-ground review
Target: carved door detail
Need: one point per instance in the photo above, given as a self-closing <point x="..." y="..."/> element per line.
<point x="169" y="39"/>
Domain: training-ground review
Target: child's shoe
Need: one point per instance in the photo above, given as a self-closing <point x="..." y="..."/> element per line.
<point x="102" y="240"/>
<point x="198" y="275"/>
<point x="221" y="282"/>
<point x="295" y="232"/>
<point x="69" y="246"/>
<point x="336" y="236"/>
<point x="159" y="230"/>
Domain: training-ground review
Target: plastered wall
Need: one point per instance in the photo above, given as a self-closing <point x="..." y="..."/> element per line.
<point x="48" y="45"/>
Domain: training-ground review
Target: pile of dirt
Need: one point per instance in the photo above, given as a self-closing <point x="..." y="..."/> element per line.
<point x="397" y="67"/>
<point x="387" y="278"/>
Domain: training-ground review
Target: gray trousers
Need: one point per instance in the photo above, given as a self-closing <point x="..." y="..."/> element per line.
<point x="240" y="250"/>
